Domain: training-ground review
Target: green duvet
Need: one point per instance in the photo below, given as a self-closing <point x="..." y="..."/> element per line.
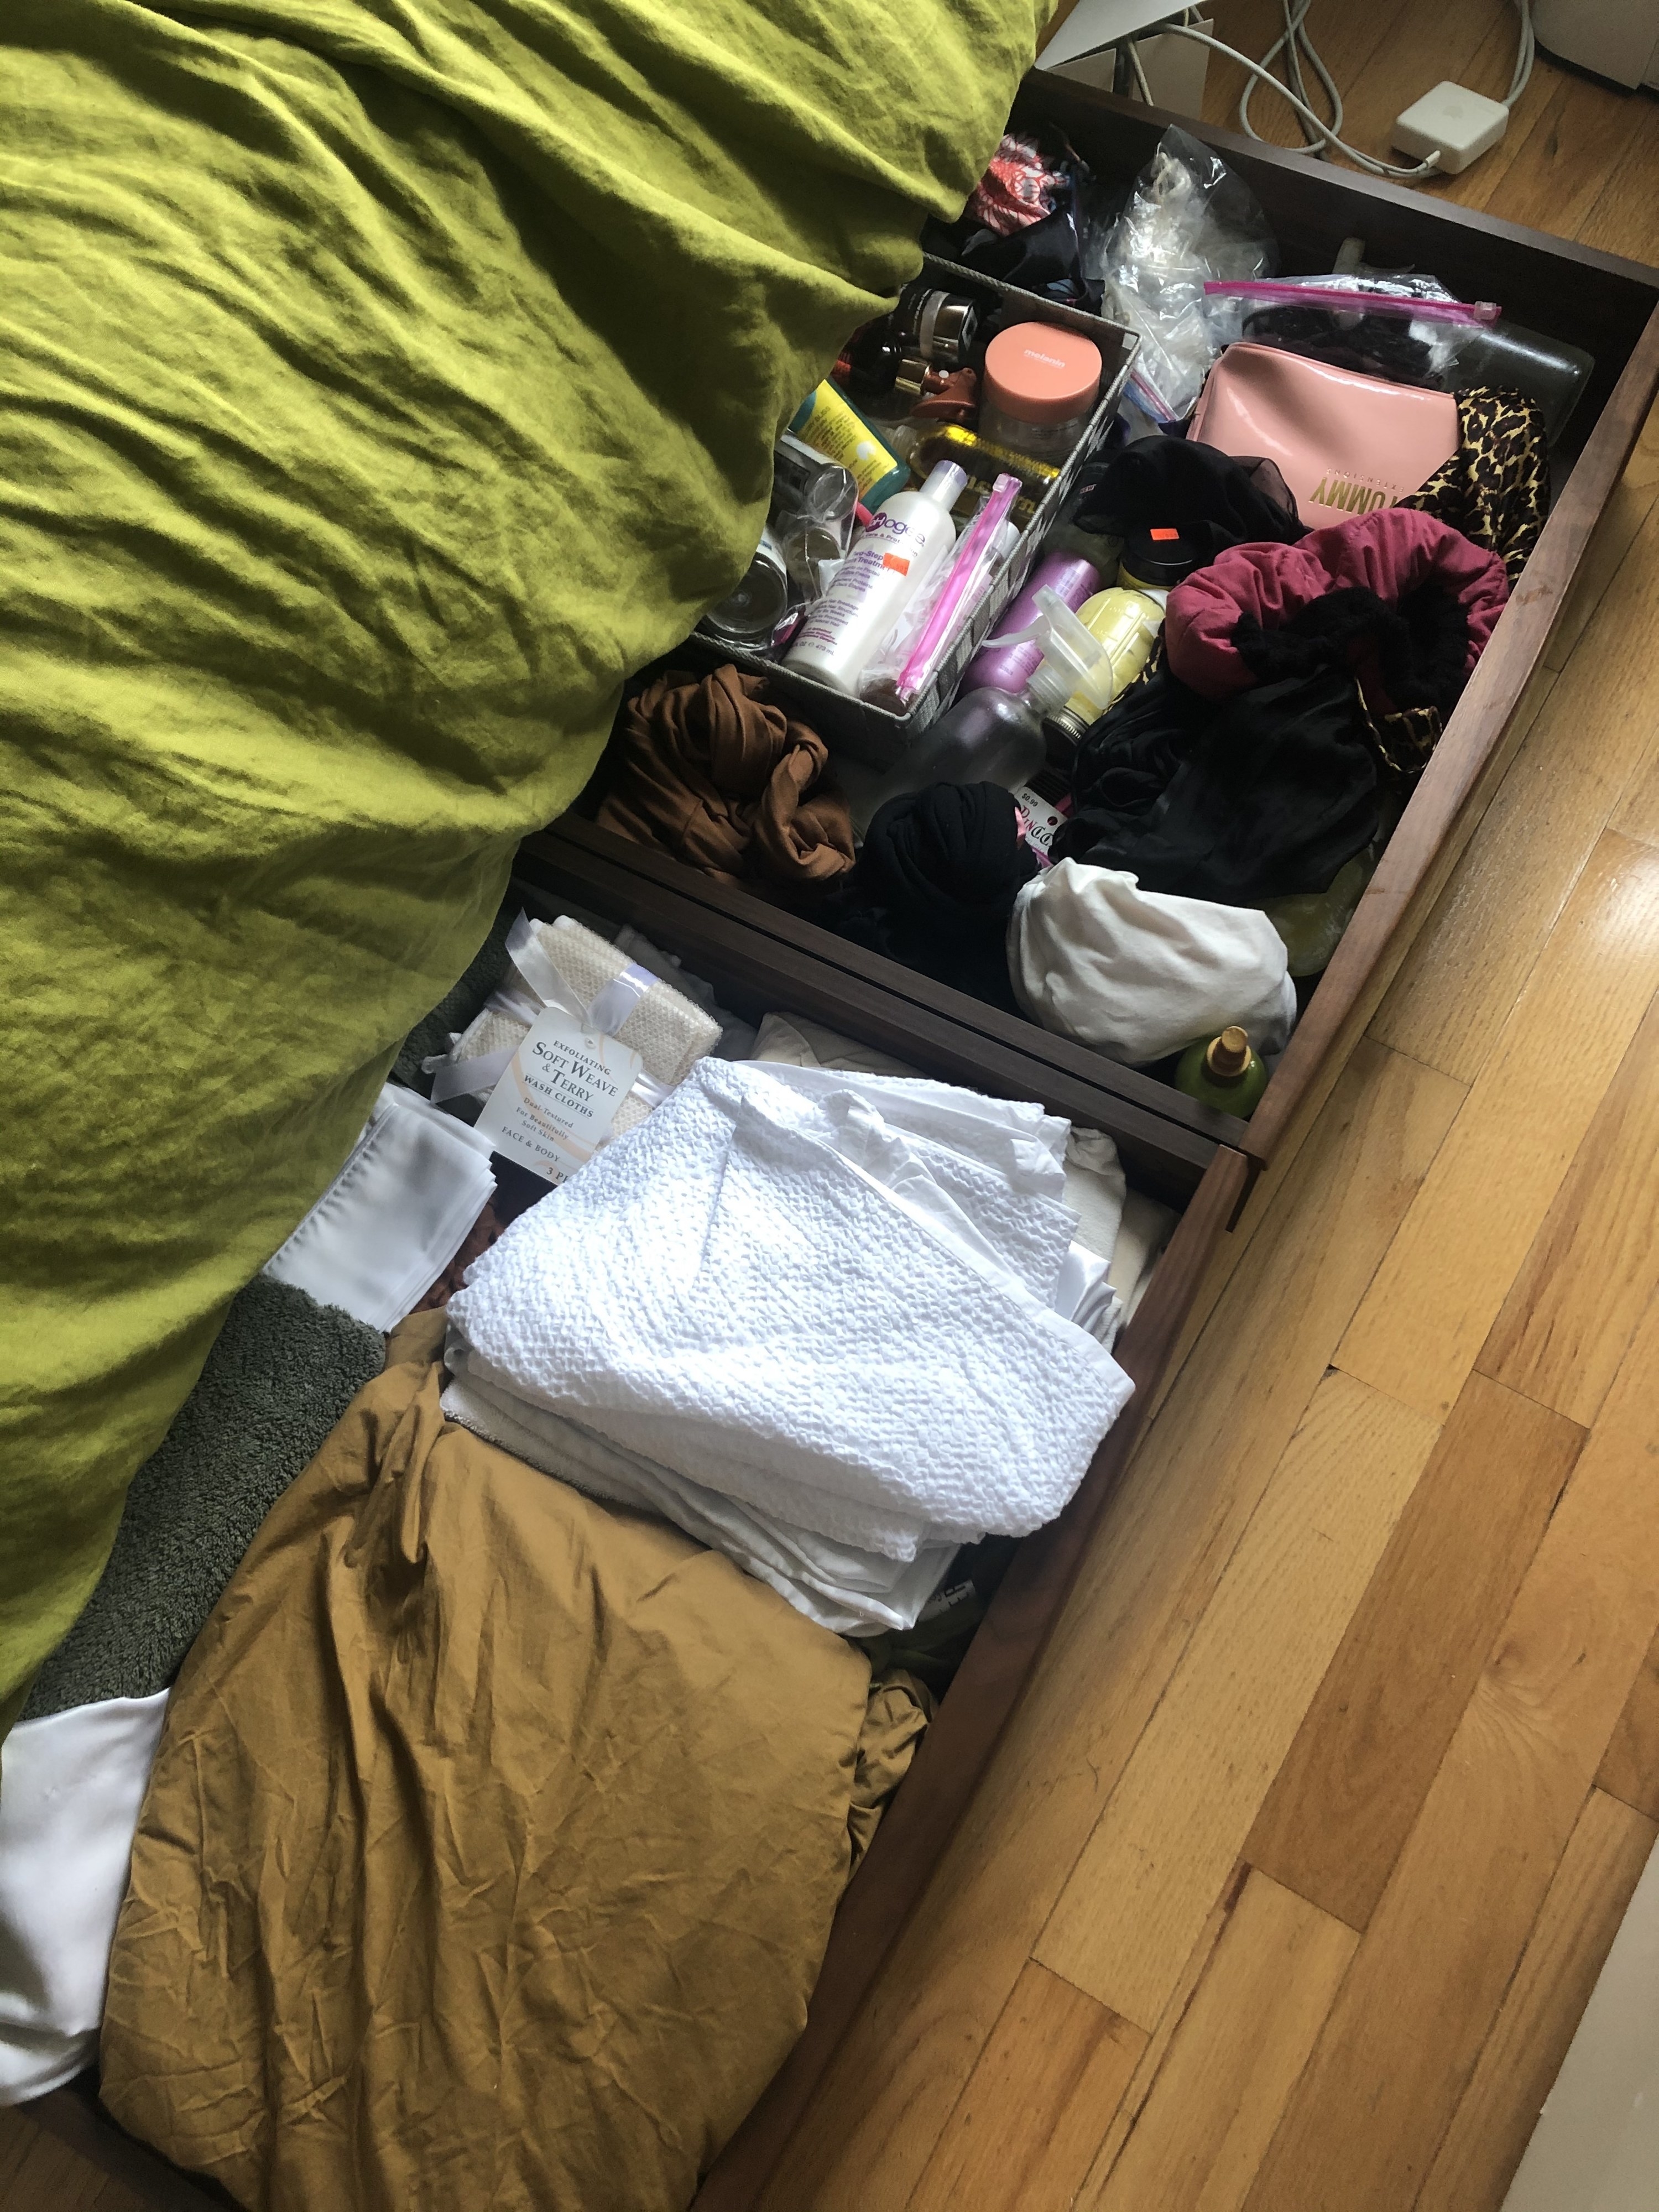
<point x="381" y="381"/>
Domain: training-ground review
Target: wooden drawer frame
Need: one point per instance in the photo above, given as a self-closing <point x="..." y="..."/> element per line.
<point x="1608" y="304"/>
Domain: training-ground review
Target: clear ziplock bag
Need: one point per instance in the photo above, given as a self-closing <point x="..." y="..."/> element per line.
<point x="1408" y="329"/>
<point x="1189" y="218"/>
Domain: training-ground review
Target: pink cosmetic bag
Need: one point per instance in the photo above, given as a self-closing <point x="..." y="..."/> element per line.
<point x="1345" y="443"/>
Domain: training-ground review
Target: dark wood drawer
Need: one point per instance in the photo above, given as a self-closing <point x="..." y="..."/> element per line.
<point x="754" y="971"/>
<point x="1608" y="305"/>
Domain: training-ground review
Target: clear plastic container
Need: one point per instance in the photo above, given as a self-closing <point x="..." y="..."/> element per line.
<point x="987" y="736"/>
<point x="1038" y="389"/>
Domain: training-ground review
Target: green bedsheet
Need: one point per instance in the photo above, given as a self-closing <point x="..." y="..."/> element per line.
<point x="381" y="381"/>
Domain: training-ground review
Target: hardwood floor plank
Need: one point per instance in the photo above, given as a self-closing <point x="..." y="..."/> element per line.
<point x="1219" y="2092"/>
<point x="1562" y="152"/>
<point x="1036" y="2104"/>
<point x="1637" y="814"/>
<point x="1345" y="1798"/>
<point x="1630" y="1766"/>
<point x="1570" y="1940"/>
<point x="1171" y="1833"/>
<point x="1593" y="1265"/>
<point x="1621" y="522"/>
<point x="1420" y="1326"/>
<point x="1429" y="1978"/>
<point x="1164" y="1541"/>
<point x="1593" y="735"/>
<point x="1151" y="2059"/>
<point x="1625" y="218"/>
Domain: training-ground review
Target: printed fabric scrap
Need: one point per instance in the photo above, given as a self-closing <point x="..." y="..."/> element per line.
<point x="1495" y="486"/>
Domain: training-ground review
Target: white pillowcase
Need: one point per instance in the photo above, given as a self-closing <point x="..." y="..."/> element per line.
<point x="71" y="1789"/>
<point x="1141" y="974"/>
<point x="395" y="1216"/>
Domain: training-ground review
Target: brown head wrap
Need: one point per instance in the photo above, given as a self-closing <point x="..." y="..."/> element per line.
<point x="712" y="772"/>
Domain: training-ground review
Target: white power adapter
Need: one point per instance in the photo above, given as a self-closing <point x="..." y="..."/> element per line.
<point x="1453" y="123"/>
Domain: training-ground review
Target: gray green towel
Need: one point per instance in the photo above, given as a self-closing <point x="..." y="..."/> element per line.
<point x="281" y="1374"/>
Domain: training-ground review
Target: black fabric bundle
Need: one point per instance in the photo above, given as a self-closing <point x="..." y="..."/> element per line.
<point x="935" y="885"/>
<point x="1045" y="256"/>
<point x="1368" y="345"/>
<point x="1268" y="794"/>
<point x="1214" y="500"/>
<point x="1421" y="645"/>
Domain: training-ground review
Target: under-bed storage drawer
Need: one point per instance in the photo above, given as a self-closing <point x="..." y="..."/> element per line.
<point x="757" y="972"/>
<point x="1185" y="1170"/>
<point x="1565" y="291"/>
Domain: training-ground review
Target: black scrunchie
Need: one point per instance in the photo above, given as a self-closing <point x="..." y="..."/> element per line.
<point x="935" y="885"/>
<point x="1422" y="646"/>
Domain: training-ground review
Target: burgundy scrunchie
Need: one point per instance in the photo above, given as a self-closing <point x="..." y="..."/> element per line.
<point x="1216" y="620"/>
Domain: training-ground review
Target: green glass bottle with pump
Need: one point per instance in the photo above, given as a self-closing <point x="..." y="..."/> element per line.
<point x="1223" y="1071"/>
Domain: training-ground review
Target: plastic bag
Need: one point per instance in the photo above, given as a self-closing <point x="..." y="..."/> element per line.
<point x="1189" y="220"/>
<point x="1408" y="329"/>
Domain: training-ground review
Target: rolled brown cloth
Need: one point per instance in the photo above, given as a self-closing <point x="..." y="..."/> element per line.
<point x="715" y="773"/>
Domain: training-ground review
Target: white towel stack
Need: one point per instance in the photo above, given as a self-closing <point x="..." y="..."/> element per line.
<point x="812" y="1317"/>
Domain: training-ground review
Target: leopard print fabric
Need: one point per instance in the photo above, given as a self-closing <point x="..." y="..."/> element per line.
<point x="1495" y="488"/>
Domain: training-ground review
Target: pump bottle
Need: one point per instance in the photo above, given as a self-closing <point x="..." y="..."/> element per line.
<point x="890" y="560"/>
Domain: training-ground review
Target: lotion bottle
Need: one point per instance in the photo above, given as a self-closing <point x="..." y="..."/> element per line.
<point x="892" y="559"/>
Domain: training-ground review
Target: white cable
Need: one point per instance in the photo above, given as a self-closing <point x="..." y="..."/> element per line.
<point x="1327" y="137"/>
<point x="1297" y="46"/>
<point x="1524" y="55"/>
<point x="1137" y="65"/>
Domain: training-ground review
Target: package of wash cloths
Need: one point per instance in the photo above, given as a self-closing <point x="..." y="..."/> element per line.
<point x="561" y="964"/>
<point x="822" y="1320"/>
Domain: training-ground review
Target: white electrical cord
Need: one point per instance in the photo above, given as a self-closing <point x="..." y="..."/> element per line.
<point x="1297" y="47"/>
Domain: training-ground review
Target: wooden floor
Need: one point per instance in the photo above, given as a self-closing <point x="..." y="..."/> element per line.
<point x="1294" y="1872"/>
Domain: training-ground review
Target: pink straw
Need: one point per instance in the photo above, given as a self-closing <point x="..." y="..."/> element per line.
<point x="972" y="558"/>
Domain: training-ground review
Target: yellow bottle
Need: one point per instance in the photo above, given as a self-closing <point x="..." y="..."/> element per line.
<point x="1125" y="625"/>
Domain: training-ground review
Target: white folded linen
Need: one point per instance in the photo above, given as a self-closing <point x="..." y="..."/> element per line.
<point x="71" y="1789"/>
<point x="1095" y="1186"/>
<point x="848" y="1591"/>
<point x="767" y="1290"/>
<point x="1141" y="974"/>
<point x="394" y="1217"/>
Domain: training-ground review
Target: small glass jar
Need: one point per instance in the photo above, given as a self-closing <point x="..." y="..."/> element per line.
<point x="1039" y="389"/>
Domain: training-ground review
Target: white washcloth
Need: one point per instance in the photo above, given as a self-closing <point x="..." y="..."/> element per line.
<point x="848" y="1591"/>
<point x="1141" y="974"/>
<point x="771" y="1295"/>
<point x="394" y="1217"/>
<point x="1095" y="1189"/>
<point x="71" y="1789"/>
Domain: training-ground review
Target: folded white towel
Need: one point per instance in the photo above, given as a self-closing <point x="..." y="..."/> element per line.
<point x="395" y="1216"/>
<point x="1095" y="1187"/>
<point x="767" y="1290"/>
<point x="848" y="1591"/>
<point x="70" y="1799"/>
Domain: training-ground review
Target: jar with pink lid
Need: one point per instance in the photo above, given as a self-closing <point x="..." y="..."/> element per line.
<point x="1038" y="390"/>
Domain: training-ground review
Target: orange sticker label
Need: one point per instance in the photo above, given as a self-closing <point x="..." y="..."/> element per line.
<point x="896" y="561"/>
